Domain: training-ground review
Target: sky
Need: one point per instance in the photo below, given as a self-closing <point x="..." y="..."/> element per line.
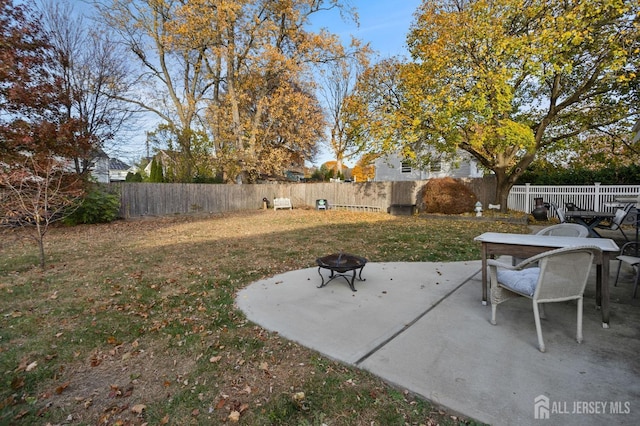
<point x="383" y="23"/>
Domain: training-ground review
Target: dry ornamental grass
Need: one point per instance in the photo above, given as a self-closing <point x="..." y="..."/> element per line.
<point x="134" y="322"/>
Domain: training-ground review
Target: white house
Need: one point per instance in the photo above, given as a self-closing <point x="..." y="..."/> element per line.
<point x="394" y="168"/>
<point x="105" y="169"/>
<point x="118" y="170"/>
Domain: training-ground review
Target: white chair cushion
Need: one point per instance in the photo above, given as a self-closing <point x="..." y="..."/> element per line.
<point x="524" y="281"/>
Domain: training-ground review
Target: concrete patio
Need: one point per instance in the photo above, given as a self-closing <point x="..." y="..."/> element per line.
<point x="421" y="326"/>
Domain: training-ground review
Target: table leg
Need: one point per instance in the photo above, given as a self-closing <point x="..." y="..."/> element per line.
<point x="605" y="290"/>
<point x="589" y="225"/>
<point x="483" y="251"/>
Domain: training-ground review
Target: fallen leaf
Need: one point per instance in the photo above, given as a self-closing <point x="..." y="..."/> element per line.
<point x="114" y="391"/>
<point x="95" y="361"/>
<point x="17" y="382"/>
<point x="138" y="408"/>
<point x="234" y="416"/>
<point x="31" y="366"/>
<point x="214" y="359"/>
<point x="195" y="412"/>
<point x="61" y="388"/>
<point x="221" y="403"/>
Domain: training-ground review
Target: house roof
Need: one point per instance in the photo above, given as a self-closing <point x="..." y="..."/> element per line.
<point x="116" y="164"/>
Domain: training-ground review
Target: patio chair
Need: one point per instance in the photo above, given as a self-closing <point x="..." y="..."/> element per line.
<point x="572" y="207"/>
<point x="617" y="220"/>
<point x="559" y="230"/>
<point x="559" y="212"/>
<point x="565" y="230"/>
<point x="561" y="275"/>
<point x="630" y="254"/>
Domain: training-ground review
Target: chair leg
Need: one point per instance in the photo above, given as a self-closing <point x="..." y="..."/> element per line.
<point x="536" y="315"/>
<point x="579" y="321"/>
<point x="618" y="273"/>
<point x="623" y="234"/>
<point x="635" y="286"/>
<point x="541" y="308"/>
<point x="493" y="312"/>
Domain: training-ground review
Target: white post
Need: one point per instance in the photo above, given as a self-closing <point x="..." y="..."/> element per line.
<point x="596" y="197"/>
<point x="527" y="203"/>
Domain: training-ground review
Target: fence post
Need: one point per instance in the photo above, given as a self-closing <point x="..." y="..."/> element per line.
<point x="527" y="200"/>
<point x="596" y="197"/>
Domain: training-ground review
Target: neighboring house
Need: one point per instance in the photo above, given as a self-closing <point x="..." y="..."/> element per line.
<point x="100" y="168"/>
<point x="166" y="158"/>
<point x="393" y="168"/>
<point x="294" y="175"/>
<point x="118" y="170"/>
<point x="106" y="170"/>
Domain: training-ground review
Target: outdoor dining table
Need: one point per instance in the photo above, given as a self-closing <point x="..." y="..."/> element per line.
<point x="589" y="219"/>
<point x="527" y="245"/>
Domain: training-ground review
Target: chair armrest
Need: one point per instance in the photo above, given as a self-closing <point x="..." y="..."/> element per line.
<point x="535" y="259"/>
<point x="497" y="263"/>
<point x="631" y="248"/>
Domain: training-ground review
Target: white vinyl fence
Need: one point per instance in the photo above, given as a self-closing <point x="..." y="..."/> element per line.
<point x="588" y="197"/>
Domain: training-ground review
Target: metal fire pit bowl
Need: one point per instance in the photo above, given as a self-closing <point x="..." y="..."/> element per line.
<point x="340" y="264"/>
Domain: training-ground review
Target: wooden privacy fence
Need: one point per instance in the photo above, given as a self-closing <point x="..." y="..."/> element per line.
<point x="159" y="199"/>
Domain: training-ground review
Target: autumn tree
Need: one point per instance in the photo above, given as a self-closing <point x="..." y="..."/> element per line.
<point x="365" y="170"/>
<point x="174" y="79"/>
<point x="376" y="113"/>
<point x="264" y="114"/>
<point x="32" y="121"/>
<point x="237" y="70"/>
<point x="93" y="78"/>
<point x="36" y="137"/>
<point x="37" y="193"/>
<point x="505" y="79"/>
<point x="337" y="81"/>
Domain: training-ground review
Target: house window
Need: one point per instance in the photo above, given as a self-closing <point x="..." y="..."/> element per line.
<point x="406" y="167"/>
<point x="436" y="166"/>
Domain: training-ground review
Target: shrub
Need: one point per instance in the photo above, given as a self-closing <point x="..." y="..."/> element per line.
<point x="447" y="196"/>
<point x="134" y="177"/>
<point x="98" y="206"/>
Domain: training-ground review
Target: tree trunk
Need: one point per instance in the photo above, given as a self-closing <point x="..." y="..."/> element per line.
<point x="503" y="186"/>
<point x="40" y="240"/>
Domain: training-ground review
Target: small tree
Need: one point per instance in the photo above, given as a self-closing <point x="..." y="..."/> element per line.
<point x="156" y="174"/>
<point x="35" y="194"/>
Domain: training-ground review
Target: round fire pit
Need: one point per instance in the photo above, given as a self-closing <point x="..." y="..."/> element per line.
<point x="340" y="264"/>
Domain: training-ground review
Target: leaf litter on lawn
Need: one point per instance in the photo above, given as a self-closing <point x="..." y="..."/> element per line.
<point x="134" y="322"/>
